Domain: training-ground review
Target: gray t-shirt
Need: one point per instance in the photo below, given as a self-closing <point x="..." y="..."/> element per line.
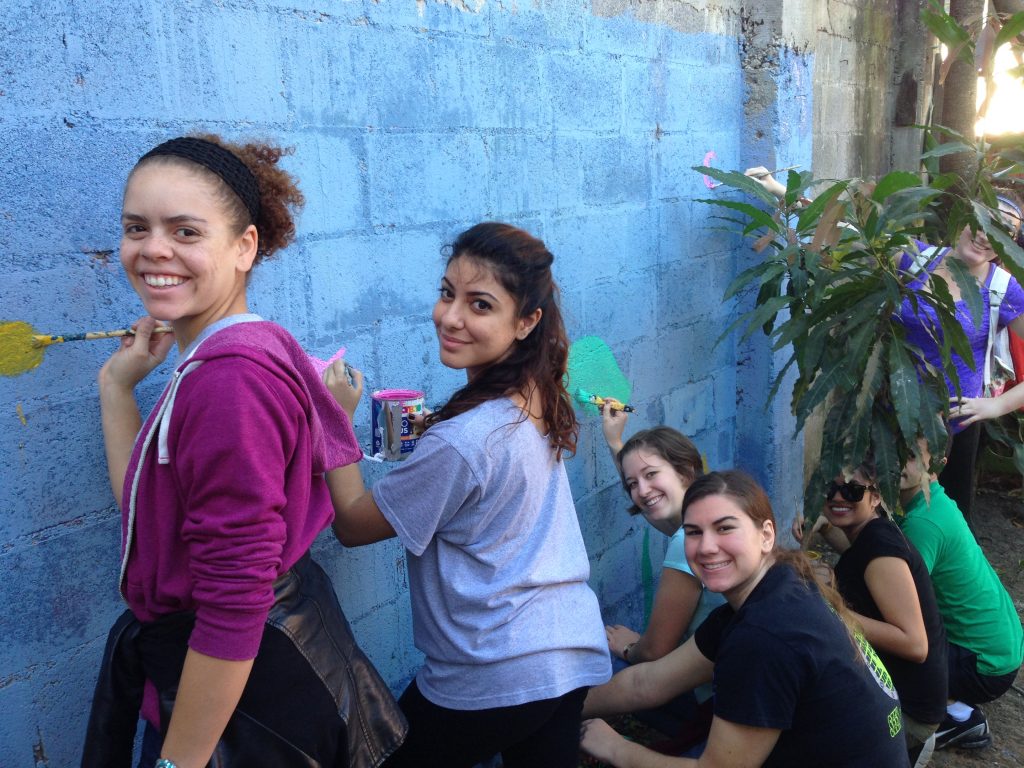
<point x="497" y="567"/>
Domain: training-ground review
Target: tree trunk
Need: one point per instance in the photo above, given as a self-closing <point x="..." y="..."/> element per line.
<point x="1009" y="6"/>
<point x="960" y="91"/>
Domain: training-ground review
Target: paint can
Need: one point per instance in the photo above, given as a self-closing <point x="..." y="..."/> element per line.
<point x="393" y="433"/>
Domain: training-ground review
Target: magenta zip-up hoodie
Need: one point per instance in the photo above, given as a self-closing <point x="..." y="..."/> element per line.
<point x="225" y="488"/>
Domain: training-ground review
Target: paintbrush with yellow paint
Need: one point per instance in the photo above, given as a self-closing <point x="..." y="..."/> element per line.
<point x="22" y="348"/>
<point x="586" y="397"/>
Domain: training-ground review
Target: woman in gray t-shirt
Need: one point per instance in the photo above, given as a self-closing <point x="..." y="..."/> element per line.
<point x="511" y="632"/>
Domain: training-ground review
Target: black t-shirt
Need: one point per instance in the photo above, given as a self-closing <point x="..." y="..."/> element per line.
<point x="784" y="660"/>
<point x="922" y="687"/>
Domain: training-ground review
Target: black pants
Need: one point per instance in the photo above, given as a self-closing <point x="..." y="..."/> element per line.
<point x="970" y="686"/>
<point x="538" y="734"/>
<point x="960" y="475"/>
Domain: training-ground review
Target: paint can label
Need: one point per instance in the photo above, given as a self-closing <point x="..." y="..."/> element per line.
<point x="393" y="435"/>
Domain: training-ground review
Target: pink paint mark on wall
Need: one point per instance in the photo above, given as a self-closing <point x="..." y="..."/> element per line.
<point x="707" y="162"/>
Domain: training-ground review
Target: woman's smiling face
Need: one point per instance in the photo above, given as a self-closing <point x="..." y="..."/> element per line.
<point x="727" y="550"/>
<point x="180" y="250"/>
<point x="476" y="318"/>
<point x="851" y="516"/>
<point x="655" y="488"/>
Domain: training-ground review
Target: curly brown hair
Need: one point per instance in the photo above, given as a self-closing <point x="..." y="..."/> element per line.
<point x="537" y="364"/>
<point x="280" y="197"/>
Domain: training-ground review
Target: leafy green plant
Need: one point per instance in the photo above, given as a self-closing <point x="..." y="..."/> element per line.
<point x="976" y="44"/>
<point x="827" y="291"/>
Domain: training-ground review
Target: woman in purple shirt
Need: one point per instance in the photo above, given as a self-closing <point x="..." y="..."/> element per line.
<point x="975" y="252"/>
<point x="234" y="648"/>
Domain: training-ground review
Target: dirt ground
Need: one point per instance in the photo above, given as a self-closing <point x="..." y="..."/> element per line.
<point x="1000" y="513"/>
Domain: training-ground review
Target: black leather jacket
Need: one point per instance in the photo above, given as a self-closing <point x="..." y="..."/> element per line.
<point x="312" y="700"/>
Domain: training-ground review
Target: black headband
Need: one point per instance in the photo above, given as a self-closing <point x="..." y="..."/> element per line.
<point x="220" y="161"/>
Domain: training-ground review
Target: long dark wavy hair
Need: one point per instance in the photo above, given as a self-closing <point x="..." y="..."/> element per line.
<point x="536" y="365"/>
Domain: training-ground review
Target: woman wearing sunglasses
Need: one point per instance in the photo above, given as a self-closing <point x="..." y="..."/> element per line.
<point x="884" y="580"/>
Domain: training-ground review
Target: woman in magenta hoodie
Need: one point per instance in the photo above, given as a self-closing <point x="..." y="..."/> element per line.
<point x="237" y="634"/>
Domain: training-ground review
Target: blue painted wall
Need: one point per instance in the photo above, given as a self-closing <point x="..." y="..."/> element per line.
<point x="411" y="120"/>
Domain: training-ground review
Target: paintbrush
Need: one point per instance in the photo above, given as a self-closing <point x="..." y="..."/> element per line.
<point x="761" y="175"/>
<point x="585" y="397"/>
<point x="21" y="348"/>
<point x="46" y="339"/>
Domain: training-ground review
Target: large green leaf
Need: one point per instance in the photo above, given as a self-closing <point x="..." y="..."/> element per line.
<point x="757" y="215"/>
<point x="949" y="148"/>
<point x="894" y="182"/>
<point x="761" y="273"/>
<point x="1012" y="27"/>
<point x="764" y="315"/>
<point x="932" y="424"/>
<point x="903" y="388"/>
<point x="945" y="27"/>
<point x="809" y="215"/>
<point x="949" y="334"/>
<point x="886" y="453"/>
<point x="794" y="328"/>
<point x="739" y="181"/>
<point x="834" y="374"/>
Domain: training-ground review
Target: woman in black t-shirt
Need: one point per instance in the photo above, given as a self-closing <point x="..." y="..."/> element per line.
<point x="793" y="686"/>
<point x="885" y="582"/>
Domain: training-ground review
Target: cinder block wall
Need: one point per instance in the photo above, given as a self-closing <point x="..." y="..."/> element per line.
<point x="411" y="120"/>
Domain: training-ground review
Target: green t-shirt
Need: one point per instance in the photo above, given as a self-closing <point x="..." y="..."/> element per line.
<point x="976" y="609"/>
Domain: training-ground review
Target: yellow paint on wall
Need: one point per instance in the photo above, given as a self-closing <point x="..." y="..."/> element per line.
<point x="18" y="353"/>
<point x="21" y="415"/>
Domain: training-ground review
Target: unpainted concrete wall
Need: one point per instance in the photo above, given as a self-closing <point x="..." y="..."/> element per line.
<point x="411" y="120"/>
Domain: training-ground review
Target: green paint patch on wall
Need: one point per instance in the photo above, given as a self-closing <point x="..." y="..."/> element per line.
<point x="593" y="369"/>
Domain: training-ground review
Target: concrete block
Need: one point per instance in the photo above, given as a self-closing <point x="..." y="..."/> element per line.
<point x="690" y="408"/>
<point x="618" y="170"/>
<point x="48" y="700"/>
<point x="552" y="26"/>
<point x="65" y="594"/>
<point x="278" y="290"/>
<point x="317" y="13"/>
<point x="601" y="244"/>
<point x="602" y="515"/>
<point x="623" y="302"/>
<point x="35" y="36"/>
<point x="586" y="91"/>
<point x="710" y="49"/>
<point x="460" y="18"/>
<point x="236" y="62"/>
<point x="524" y="172"/>
<point x="624" y="35"/>
<point x="62" y="191"/>
<point x="44" y="499"/>
<point x="326" y="94"/>
<point x="674" y="358"/>
<point x="426" y="177"/>
<point x="331" y="173"/>
<point x="369" y="279"/>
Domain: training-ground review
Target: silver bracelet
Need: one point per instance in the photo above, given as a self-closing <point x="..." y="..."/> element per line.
<point x="163" y="762"/>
